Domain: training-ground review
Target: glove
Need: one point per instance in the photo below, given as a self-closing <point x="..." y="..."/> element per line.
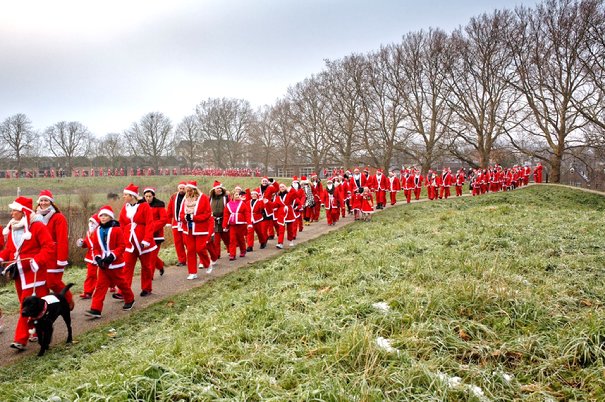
<point x="109" y="259"/>
<point x="100" y="262"/>
<point x="145" y="244"/>
<point x="189" y="218"/>
<point x="80" y="242"/>
<point x="10" y="272"/>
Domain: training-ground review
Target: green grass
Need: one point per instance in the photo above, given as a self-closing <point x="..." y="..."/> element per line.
<point x="503" y="291"/>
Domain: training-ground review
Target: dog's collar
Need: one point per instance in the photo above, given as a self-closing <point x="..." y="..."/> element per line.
<point x="41" y="313"/>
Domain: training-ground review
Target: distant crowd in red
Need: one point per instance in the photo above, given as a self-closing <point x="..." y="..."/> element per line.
<point x="139" y="172"/>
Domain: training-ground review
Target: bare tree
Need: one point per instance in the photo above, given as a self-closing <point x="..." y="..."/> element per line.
<point x="67" y="140"/>
<point x="112" y="147"/>
<point x="189" y="139"/>
<point x="310" y="121"/>
<point x="281" y="122"/>
<point x="483" y="101"/>
<point x="548" y="48"/>
<point x="263" y="138"/>
<point x="18" y="136"/>
<point x="225" y="124"/>
<point x="151" y="137"/>
<point x="417" y="71"/>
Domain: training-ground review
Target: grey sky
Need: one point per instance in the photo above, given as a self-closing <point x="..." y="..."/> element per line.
<point x="106" y="64"/>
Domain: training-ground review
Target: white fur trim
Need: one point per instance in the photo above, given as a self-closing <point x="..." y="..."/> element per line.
<point x="107" y="212"/>
<point x="44" y="197"/>
<point x="27" y="235"/>
<point x="131" y="193"/>
<point x="18" y="207"/>
<point x="62" y="263"/>
<point x="6" y="230"/>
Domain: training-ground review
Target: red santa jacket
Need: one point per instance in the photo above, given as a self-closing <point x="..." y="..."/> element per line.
<point x="446" y="179"/>
<point x="394" y="184"/>
<point x="87" y="244"/>
<point x="268" y="192"/>
<point x="115" y="244"/>
<point x="460" y="178"/>
<point x="259" y="209"/>
<point x="33" y="254"/>
<point x="236" y="213"/>
<point x="333" y="200"/>
<point x="160" y="219"/>
<point x="201" y="217"/>
<point x="409" y="182"/>
<point x="137" y="226"/>
<point x="356" y="185"/>
<point x="57" y="227"/>
<point x="283" y="207"/>
<point x="173" y="212"/>
<point x="379" y="182"/>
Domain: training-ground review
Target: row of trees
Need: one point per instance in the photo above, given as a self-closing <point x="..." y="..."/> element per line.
<point x="528" y="80"/>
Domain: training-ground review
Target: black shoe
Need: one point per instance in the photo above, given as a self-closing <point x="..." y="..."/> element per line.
<point x="180" y="264"/>
<point x="271" y="237"/>
<point x="93" y="313"/>
<point x="19" y="346"/>
<point x="249" y="249"/>
<point x="128" y="306"/>
<point x="118" y="296"/>
<point x="145" y="293"/>
<point x="161" y="271"/>
<point x="263" y="245"/>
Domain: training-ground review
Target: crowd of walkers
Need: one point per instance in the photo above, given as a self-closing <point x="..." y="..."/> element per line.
<point x="34" y="248"/>
<point x="138" y="172"/>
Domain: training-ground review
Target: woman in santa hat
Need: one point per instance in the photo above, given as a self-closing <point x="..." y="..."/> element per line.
<point x="218" y="201"/>
<point x="108" y="253"/>
<point x="29" y="250"/>
<point x="284" y="203"/>
<point x="160" y="218"/>
<point x="236" y="222"/>
<point x="136" y="220"/>
<point x="258" y="209"/>
<point x="195" y="222"/>
<point x="91" y="267"/>
<point x="57" y="227"/>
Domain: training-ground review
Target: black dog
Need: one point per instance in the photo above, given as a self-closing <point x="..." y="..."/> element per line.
<point x="44" y="311"/>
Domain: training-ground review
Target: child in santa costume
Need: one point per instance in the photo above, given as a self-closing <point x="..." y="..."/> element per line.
<point x="29" y="250"/>
<point x="258" y="210"/>
<point x="160" y="219"/>
<point x="331" y="199"/>
<point x="57" y="227"/>
<point x="136" y="221"/>
<point x="91" y="267"/>
<point x="108" y="253"/>
<point x="236" y="220"/>
<point x="284" y="203"/>
<point x="195" y="222"/>
<point x="367" y="204"/>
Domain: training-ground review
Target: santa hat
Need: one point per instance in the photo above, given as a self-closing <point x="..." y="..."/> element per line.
<point x="24" y="205"/>
<point x="313" y="174"/>
<point x="303" y="178"/>
<point x="192" y="184"/>
<point x="106" y="210"/>
<point x="45" y="195"/>
<point x="264" y="178"/>
<point x="95" y="219"/>
<point x="379" y="171"/>
<point x="181" y="184"/>
<point x="255" y="190"/>
<point x="295" y="178"/>
<point x="149" y="189"/>
<point x="132" y="190"/>
<point x="217" y="184"/>
<point x="330" y="180"/>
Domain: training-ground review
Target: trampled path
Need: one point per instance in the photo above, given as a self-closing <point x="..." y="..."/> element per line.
<point x="171" y="283"/>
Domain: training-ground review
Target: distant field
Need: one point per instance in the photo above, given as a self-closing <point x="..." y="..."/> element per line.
<point x="498" y="297"/>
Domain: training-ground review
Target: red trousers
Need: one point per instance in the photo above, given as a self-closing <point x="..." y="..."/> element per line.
<point x="417" y="191"/>
<point x="179" y="245"/>
<point x="23" y="323"/>
<point x="54" y="282"/>
<point x="290" y="228"/>
<point x="197" y="246"/>
<point x="261" y="233"/>
<point x="105" y="279"/>
<point x="393" y="197"/>
<point x="444" y="192"/>
<point x="408" y="195"/>
<point x="458" y="191"/>
<point x="381" y="197"/>
<point x="237" y="238"/>
<point x="147" y="268"/>
<point x="157" y="261"/>
<point x="224" y="236"/>
<point x="332" y="215"/>
<point x="91" y="278"/>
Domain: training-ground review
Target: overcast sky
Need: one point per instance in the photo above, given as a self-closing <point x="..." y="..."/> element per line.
<point x="108" y="63"/>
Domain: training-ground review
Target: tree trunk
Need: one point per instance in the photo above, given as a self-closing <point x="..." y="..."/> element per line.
<point x="555" y="169"/>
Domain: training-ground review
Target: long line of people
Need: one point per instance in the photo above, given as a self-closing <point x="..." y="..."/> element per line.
<point x="202" y="225"/>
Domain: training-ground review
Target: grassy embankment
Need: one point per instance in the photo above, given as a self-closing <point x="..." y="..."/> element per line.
<point x="498" y="297"/>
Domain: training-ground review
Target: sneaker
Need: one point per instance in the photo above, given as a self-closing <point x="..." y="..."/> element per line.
<point x="249" y="249"/>
<point x="263" y="245"/>
<point x="242" y="255"/>
<point x="85" y="296"/>
<point x="213" y="263"/>
<point x="191" y="277"/>
<point x="279" y="245"/>
<point x="33" y="338"/>
<point x="180" y="264"/>
<point x="145" y="293"/>
<point x="291" y="244"/>
<point x="118" y="296"/>
<point x="18" y="346"/>
<point x="209" y="269"/>
<point x="128" y="306"/>
<point x="231" y="258"/>
<point x="93" y="313"/>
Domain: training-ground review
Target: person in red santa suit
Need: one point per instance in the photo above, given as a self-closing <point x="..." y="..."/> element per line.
<point x="308" y="201"/>
<point x="331" y="200"/>
<point x="418" y="181"/>
<point x="367" y="204"/>
<point x="258" y="217"/>
<point x="268" y="188"/>
<point x="317" y="189"/>
<point x="300" y="195"/>
<point x="394" y="185"/>
<point x="136" y="221"/>
<point x="108" y="247"/>
<point x="57" y="227"/>
<point x="357" y="182"/>
<point x="526" y="174"/>
<point x="431" y="185"/>
<point x="160" y="219"/>
<point x="197" y="224"/>
<point x="538" y="173"/>
<point x="29" y="250"/>
<point x="459" y="182"/>
<point x="446" y="182"/>
<point x="174" y="209"/>
<point x="236" y="221"/>
<point x="283" y="214"/>
<point x="381" y="186"/>
<point x="408" y="184"/>
<point x="91" y="267"/>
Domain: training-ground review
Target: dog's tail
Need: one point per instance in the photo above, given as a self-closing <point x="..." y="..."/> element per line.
<point x="65" y="289"/>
